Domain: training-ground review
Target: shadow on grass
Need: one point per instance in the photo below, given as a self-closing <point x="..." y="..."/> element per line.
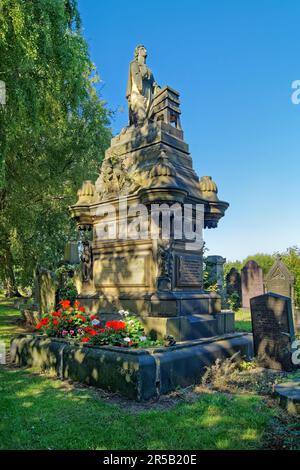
<point x="40" y="413"/>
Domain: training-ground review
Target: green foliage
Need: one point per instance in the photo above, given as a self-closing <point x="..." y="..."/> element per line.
<point x="53" y="131"/>
<point x="210" y="284"/>
<point x="234" y="301"/>
<point x="67" y="288"/>
<point x="292" y="260"/>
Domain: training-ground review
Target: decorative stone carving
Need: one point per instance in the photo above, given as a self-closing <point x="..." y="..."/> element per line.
<point x="86" y="262"/>
<point x="114" y="180"/>
<point x="164" y="259"/>
<point x="86" y="193"/>
<point x="208" y="188"/>
<point x="141" y="88"/>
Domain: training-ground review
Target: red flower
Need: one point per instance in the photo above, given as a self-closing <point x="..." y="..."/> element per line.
<point x="101" y="330"/>
<point x="55" y="322"/>
<point x="56" y="314"/>
<point x="76" y="303"/>
<point x="65" y="303"/>
<point x="81" y="309"/>
<point x="116" y="325"/>
<point x="85" y="339"/>
<point x="93" y="317"/>
<point x="90" y="331"/>
<point x="81" y="317"/>
<point x="43" y="322"/>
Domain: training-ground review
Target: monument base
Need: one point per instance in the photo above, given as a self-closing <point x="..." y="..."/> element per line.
<point x="183" y="315"/>
<point x="139" y="374"/>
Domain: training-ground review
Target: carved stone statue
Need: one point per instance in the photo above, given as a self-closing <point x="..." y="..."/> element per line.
<point x="141" y="88"/>
<point x="164" y="266"/>
<point x="86" y="263"/>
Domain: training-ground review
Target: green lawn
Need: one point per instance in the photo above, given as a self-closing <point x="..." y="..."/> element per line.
<point x="243" y="320"/>
<point x="39" y="412"/>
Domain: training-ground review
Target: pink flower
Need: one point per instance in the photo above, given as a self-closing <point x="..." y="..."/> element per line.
<point x="64" y="332"/>
<point x="71" y="332"/>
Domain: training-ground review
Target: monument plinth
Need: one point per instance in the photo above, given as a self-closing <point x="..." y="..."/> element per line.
<point x="134" y="266"/>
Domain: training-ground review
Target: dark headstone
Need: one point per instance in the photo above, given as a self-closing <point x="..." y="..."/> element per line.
<point x="215" y="268"/>
<point x="233" y="282"/>
<point x="273" y="331"/>
<point x="252" y="282"/>
<point x="279" y="279"/>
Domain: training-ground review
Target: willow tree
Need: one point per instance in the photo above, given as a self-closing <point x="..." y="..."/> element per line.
<point x="53" y="131"/>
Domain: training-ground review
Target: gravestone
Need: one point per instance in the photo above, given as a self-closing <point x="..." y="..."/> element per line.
<point x="215" y="269"/>
<point x="252" y="282"/>
<point x="279" y="279"/>
<point x="233" y="283"/>
<point x="273" y="331"/>
<point x="71" y="255"/>
<point x="45" y="290"/>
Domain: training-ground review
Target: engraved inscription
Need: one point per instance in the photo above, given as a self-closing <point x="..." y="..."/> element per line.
<point x="189" y="270"/>
<point x="272" y="331"/>
<point x="114" y="271"/>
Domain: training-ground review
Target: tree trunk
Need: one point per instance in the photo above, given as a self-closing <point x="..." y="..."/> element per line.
<point x="8" y="275"/>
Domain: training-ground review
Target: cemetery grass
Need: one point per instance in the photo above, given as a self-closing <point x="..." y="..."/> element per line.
<point x="243" y="320"/>
<point x="39" y="412"/>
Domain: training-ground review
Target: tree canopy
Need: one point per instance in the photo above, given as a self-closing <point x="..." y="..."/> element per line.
<point x="53" y="131"/>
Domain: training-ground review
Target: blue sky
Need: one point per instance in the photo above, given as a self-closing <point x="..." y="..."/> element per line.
<point x="233" y="63"/>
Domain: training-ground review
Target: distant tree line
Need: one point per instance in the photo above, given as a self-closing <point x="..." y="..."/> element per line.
<point x="53" y="132"/>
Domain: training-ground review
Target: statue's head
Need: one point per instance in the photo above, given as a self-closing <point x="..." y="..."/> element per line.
<point x="140" y="49"/>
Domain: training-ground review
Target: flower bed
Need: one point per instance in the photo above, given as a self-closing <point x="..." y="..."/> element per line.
<point x="72" y="322"/>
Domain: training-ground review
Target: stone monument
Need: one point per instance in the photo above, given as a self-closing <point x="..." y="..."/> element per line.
<point x="148" y="166"/>
<point x="252" y="282"/>
<point x="280" y="280"/>
<point x="273" y="331"/>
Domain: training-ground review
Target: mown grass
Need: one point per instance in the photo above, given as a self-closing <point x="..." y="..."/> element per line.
<point x="39" y="412"/>
<point x="243" y="320"/>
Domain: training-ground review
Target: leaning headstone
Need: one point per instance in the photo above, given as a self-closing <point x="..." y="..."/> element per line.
<point x="233" y="283"/>
<point x="252" y="282"/>
<point x="47" y="290"/>
<point x="71" y="255"/>
<point x="273" y="331"/>
<point x="215" y="269"/>
<point x="280" y="280"/>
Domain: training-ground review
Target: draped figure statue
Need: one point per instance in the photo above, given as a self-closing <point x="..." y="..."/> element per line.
<point x="141" y="88"/>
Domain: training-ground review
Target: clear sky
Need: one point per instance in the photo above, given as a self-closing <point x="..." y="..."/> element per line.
<point x="233" y="62"/>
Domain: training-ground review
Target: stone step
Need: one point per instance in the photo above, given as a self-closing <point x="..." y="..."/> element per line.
<point x="200" y="326"/>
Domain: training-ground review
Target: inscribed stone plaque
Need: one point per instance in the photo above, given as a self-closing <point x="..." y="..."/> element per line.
<point x="189" y="270"/>
<point x="279" y="279"/>
<point x="252" y="282"/>
<point x="122" y="270"/>
<point x="273" y="331"/>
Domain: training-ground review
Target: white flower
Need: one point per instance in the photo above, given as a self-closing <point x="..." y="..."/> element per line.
<point x="143" y="338"/>
<point x="95" y="322"/>
<point x="126" y="313"/>
<point x="121" y="312"/>
<point x="130" y="322"/>
<point x="127" y="340"/>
